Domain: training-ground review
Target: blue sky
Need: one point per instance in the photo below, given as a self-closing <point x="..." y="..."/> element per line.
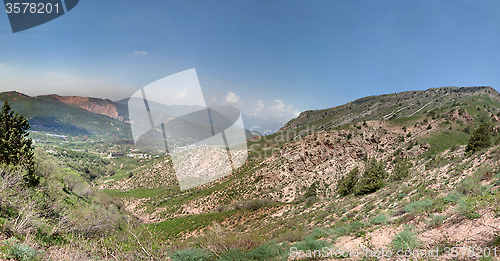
<point x="273" y="58"/>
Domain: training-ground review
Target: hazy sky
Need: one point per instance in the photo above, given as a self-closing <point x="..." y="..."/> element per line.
<point x="267" y="57"/>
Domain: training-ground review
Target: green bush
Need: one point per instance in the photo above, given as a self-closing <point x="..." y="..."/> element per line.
<point x="311" y="191"/>
<point x="234" y="255"/>
<point x="453" y="197"/>
<point x="467" y="207"/>
<point x="267" y="251"/>
<point x="480" y="139"/>
<point x="401" y="170"/>
<point x="405" y="240"/>
<point x="310" y="244"/>
<point x="193" y="254"/>
<point x="418" y="206"/>
<point x="18" y="251"/>
<point x="348" y="229"/>
<point x="372" y="179"/>
<point x="437" y="220"/>
<point x="347" y="183"/>
<point x="317" y="233"/>
<point x="379" y="219"/>
<point x="469" y="186"/>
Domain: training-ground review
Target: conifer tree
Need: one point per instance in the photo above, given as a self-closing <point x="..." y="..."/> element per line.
<point x="480" y="139"/>
<point x="15" y="146"/>
<point x="372" y="179"/>
<point x="346" y="184"/>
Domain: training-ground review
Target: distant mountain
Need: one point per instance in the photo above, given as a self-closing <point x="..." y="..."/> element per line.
<point x="70" y="115"/>
<point x="106" y="107"/>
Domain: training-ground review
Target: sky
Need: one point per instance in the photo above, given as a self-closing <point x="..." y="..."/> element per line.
<point x="267" y="58"/>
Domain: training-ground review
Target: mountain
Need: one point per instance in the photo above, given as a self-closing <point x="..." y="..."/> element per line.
<point x="389" y="106"/>
<point x="70" y="115"/>
<point x="100" y="106"/>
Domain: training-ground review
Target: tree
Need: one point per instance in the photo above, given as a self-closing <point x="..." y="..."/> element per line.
<point x="15" y="146"/>
<point x="401" y="170"/>
<point x="347" y="183"/>
<point x="480" y="139"/>
<point x="372" y="179"/>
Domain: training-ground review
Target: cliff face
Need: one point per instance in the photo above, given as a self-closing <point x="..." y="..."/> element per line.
<point x="100" y="106"/>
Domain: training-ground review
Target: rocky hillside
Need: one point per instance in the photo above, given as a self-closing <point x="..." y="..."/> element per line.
<point x="101" y="106"/>
<point x="430" y="188"/>
<point x="390" y="106"/>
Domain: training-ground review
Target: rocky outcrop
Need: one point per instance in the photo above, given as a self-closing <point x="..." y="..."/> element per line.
<point x="100" y="106"/>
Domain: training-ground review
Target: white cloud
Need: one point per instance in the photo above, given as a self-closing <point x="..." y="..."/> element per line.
<point x="259" y="106"/>
<point x="182" y="95"/>
<point x="141" y="52"/>
<point x="214" y="99"/>
<point x="232" y="98"/>
<point x="281" y="110"/>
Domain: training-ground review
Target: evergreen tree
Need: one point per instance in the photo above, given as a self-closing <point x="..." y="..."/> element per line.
<point x="347" y="183"/>
<point x="372" y="179"/>
<point x="15" y="146"/>
<point x="480" y="139"/>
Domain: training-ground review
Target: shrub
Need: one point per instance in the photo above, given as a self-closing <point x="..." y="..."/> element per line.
<point x="496" y="241"/>
<point x="234" y="255"/>
<point x="480" y="139"/>
<point x="405" y="240"/>
<point x="193" y="254"/>
<point x="469" y="187"/>
<point x="255" y="204"/>
<point x="437" y="220"/>
<point x="453" y="197"/>
<point x="401" y="170"/>
<point x="317" y="233"/>
<point x="347" y="183"/>
<point x="311" y="191"/>
<point x="20" y="251"/>
<point x="372" y="179"/>
<point x="265" y="251"/>
<point x="379" y="219"/>
<point x="310" y="244"/>
<point x="467" y="207"/>
<point x="418" y="206"/>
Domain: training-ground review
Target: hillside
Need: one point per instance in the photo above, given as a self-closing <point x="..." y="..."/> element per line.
<point x="390" y="106"/>
<point x="417" y="170"/>
<point x="291" y="177"/>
